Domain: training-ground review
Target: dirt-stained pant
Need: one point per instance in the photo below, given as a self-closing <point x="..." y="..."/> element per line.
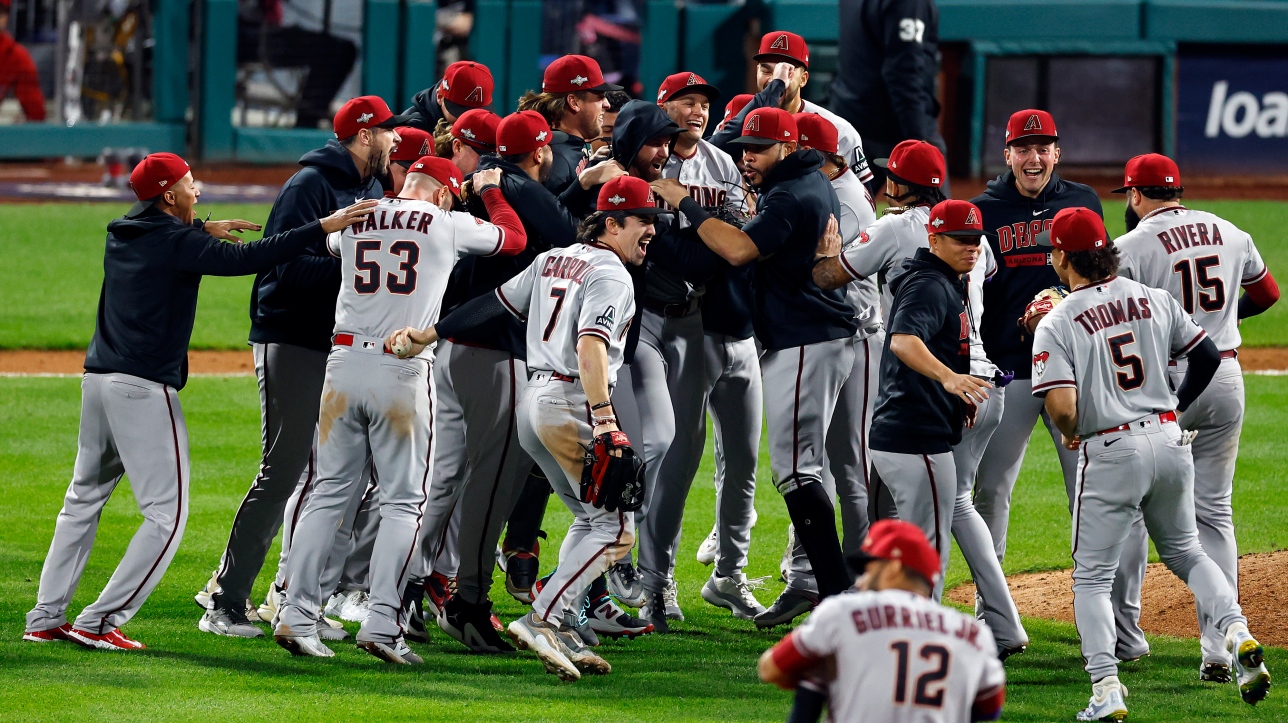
<point x="131" y="426"/>
<point x="554" y="427"/>
<point x="373" y="405"/>
<point x="1143" y="472"/>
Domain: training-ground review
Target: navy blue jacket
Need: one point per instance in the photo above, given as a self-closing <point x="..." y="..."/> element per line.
<point x="1011" y="221"/>
<point x="914" y="414"/>
<point x="295" y="303"/>
<point x="791" y="215"/>
<point x="727" y="303"/>
<point x="570" y="157"/>
<point x="424" y="113"/>
<point x="152" y="268"/>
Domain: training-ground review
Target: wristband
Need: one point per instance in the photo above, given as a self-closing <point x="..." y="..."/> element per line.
<point x="601" y="405"/>
<point x="601" y="421"/>
<point x="480" y="191"/>
<point x="696" y="214"/>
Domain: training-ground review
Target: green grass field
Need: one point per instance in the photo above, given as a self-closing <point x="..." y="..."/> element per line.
<point x="705" y="672"/>
<point x="49" y="287"/>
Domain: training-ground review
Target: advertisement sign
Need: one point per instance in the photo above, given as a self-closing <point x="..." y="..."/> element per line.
<point x="1232" y="114"/>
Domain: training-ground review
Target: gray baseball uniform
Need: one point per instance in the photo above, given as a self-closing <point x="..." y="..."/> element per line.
<point x="569" y="293"/>
<point x="734" y="400"/>
<point x="1111" y="341"/>
<point x="1201" y="260"/>
<point x="394" y="271"/>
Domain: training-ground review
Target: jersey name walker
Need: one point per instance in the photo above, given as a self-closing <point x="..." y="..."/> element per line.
<point x="568" y="293"/>
<point x="1112" y="341"/>
<point x="395" y="265"/>
<point x="1200" y="259"/>
<point x="901" y="658"/>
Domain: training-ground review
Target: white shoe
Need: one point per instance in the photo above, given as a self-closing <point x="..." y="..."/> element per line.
<point x="329" y="629"/>
<point x="670" y="596"/>
<point x="204" y="598"/>
<point x="228" y="623"/>
<point x="397" y="652"/>
<point x="333" y="606"/>
<point x="709" y="547"/>
<point x="301" y="645"/>
<point x="272" y="602"/>
<point x="531" y="633"/>
<point x="1249" y="663"/>
<point x="355" y="606"/>
<point x="755" y="517"/>
<point x="580" y="654"/>
<point x="785" y="563"/>
<point x="735" y="594"/>
<point x="1108" y="701"/>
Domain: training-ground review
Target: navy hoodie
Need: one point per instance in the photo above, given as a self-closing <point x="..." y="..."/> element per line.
<point x="152" y="269"/>
<point x="295" y="303"/>
<point x="424" y="113"/>
<point x="1011" y="221"/>
<point x="570" y="157"/>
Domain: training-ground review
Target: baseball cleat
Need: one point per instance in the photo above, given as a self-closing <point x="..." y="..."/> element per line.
<point x="334" y="604"/>
<point x="785" y="562"/>
<point x="710" y="546"/>
<point x="789" y="605"/>
<point x="1004" y="653"/>
<point x="304" y="646"/>
<point x="521" y="571"/>
<point x="653" y="612"/>
<point x="203" y="598"/>
<point x="355" y="606"/>
<point x="229" y="622"/>
<point x="1249" y="664"/>
<point x="413" y="624"/>
<point x="1108" y="701"/>
<point x="531" y="633"/>
<point x="48" y="635"/>
<point x="1215" y="673"/>
<point x="397" y="652"/>
<point x="625" y="584"/>
<point x="671" y="596"/>
<point x="273" y="600"/>
<point x="609" y="620"/>
<point x="114" y="640"/>
<point x="585" y="659"/>
<point x="329" y="629"/>
<point x="735" y="594"/>
<point x="580" y="624"/>
<point x="438" y="587"/>
<point x="1126" y="655"/>
<point x="471" y="625"/>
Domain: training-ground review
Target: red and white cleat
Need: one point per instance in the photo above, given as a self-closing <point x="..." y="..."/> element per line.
<point x="114" y="640"/>
<point x="48" y="636"/>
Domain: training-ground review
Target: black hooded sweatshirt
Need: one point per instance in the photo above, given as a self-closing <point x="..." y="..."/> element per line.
<point x="295" y="303"/>
<point x="424" y="113"/>
<point x="1011" y="221"/>
<point x="152" y="269"/>
<point x="914" y="414"/>
<point x="571" y="155"/>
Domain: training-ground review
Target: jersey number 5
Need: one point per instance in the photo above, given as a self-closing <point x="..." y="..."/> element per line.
<point x="922" y="695"/>
<point x="1198" y="282"/>
<point x="1136" y="378"/>
<point x="367" y="279"/>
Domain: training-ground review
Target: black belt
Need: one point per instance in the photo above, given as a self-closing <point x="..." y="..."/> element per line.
<point x="675" y="311"/>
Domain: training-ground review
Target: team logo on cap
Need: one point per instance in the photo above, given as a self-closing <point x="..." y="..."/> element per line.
<point x="617" y="200"/>
<point x="970" y="217"/>
<point x="468" y="133"/>
<point x="365" y="118"/>
<point x="541" y="136"/>
<point x="425" y="150"/>
<point x="455" y="183"/>
<point x="753" y="124"/>
<point x="780" y="43"/>
<point x="1039" y="362"/>
<point x="1034" y="123"/>
<point x="937" y="222"/>
<point x="579" y="80"/>
<point x="693" y="79"/>
<point x="476" y="95"/>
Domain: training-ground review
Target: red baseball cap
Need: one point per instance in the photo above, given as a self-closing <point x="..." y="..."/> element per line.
<point x="1028" y="123"/>
<point x="767" y="126"/>
<point x="415" y="143"/>
<point x="915" y="162"/>
<point x="154" y="175"/>
<point x="572" y="73"/>
<point x="441" y="170"/>
<point x="817" y="132"/>
<point x="1075" y="229"/>
<point x="1150" y="169"/>
<point x="897" y="540"/>
<point x="466" y="85"/>
<point x="630" y="194"/>
<point x="781" y="46"/>
<point x="683" y="84"/>
<point x="522" y="132"/>
<point x="735" y="106"/>
<point x="365" y="111"/>
<point x="956" y="218"/>
<point x="476" y="128"/>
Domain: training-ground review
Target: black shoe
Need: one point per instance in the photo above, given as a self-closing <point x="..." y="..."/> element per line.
<point x="581" y="623"/>
<point x="521" y="571"/>
<point x="653" y="611"/>
<point x="414" y="613"/>
<point x="790" y="605"/>
<point x="471" y="626"/>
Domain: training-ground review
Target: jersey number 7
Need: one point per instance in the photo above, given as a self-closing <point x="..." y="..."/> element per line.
<point x="1136" y="378"/>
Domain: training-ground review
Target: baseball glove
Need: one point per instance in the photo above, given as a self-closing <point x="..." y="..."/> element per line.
<point x="734" y="217"/>
<point x="1042" y="304"/>
<point x="613" y="482"/>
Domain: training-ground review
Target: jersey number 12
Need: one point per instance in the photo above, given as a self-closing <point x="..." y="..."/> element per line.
<point x="936" y="655"/>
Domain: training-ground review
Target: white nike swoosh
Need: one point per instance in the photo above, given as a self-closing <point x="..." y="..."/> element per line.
<point x="1039" y="213"/>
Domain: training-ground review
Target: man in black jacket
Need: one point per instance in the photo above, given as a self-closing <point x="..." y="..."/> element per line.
<point x="131" y="421"/>
<point x="292" y="311"/>
<point x="885" y="75"/>
<point x="465" y="85"/>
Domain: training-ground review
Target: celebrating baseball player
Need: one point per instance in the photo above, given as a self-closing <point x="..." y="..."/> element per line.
<point x="472" y="136"/>
<point x="1100" y="361"/>
<point x="131" y="421"/>
<point x="465" y="85"/>
<point x="395" y="268"/>
<point x="573" y="101"/>
<point x="889" y="652"/>
<point x="1200" y="259"/>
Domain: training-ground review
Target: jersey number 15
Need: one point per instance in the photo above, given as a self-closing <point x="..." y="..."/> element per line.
<point x="1198" y="282"/>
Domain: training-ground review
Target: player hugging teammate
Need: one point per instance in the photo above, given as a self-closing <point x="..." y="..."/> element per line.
<point x="595" y="308"/>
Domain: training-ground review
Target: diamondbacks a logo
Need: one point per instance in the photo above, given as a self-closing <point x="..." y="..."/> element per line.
<point x="475" y="96"/>
<point x="365" y="118"/>
<point x="780" y="43"/>
<point x="606" y="318"/>
<point x="693" y="79"/>
<point x="617" y="200"/>
<point x="753" y="124"/>
<point x="579" y="81"/>
<point x="425" y="150"/>
<point x="541" y="136"/>
<point x="468" y="133"/>
<point x="1040" y="362"/>
<point x="1034" y="124"/>
<point x="937" y="222"/>
<point x="971" y="219"/>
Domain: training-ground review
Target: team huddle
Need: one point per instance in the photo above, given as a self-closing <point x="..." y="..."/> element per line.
<point x="456" y="316"/>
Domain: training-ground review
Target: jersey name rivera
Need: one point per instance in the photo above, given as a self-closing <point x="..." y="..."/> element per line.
<point x="882" y="617"/>
<point x="1191" y="234"/>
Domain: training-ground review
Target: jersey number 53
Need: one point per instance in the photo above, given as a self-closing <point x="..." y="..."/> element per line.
<point x="367" y="280"/>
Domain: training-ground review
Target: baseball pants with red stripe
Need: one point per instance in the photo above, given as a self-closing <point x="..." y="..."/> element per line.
<point x="554" y="427"/>
<point x="924" y="487"/>
<point x="373" y="405"/>
<point x="128" y="426"/>
<point x="348" y="566"/>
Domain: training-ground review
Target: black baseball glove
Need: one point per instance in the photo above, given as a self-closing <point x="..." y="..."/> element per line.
<point x="609" y="481"/>
<point x="733" y="217"/>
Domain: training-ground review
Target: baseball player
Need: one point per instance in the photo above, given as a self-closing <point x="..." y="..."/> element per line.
<point x="375" y="406"/>
<point x="465" y="85"/>
<point x="131" y="420"/>
<point x="413" y="144"/>
<point x="472" y="135"/>
<point x="1200" y="259"/>
<point x="1100" y="360"/>
<point x="580" y="304"/>
<point x="573" y="102"/>
<point x="889" y="652"/>
<point x="807" y="333"/>
<point x="616" y="99"/>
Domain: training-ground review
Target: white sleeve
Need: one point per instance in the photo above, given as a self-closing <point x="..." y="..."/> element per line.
<point x="516" y="294"/>
<point x="1052" y="360"/>
<point x="873" y="253"/>
<point x="816" y="637"/>
<point x="1254" y="269"/>
<point x="850" y="228"/>
<point x="473" y="235"/>
<point x="987" y="260"/>
<point x="607" y="306"/>
<point x="333" y="242"/>
<point x="1185" y="331"/>
<point x="1127" y="265"/>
